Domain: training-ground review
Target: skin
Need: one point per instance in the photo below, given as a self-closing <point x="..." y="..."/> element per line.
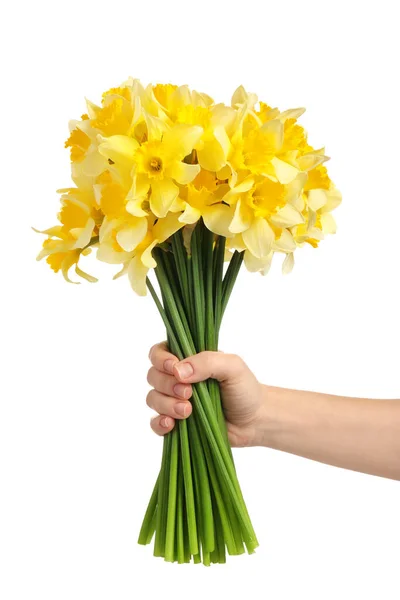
<point x="353" y="433"/>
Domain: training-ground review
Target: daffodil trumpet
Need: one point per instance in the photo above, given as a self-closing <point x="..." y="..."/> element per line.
<point x="167" y="180"/>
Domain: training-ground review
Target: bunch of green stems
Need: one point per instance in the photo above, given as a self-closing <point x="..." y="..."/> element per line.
<point x="196" y="509"/>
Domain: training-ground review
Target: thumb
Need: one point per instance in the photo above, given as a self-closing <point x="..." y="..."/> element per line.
<point x="204" y="365"/>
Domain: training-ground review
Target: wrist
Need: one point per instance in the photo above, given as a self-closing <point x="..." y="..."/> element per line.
<point x="271" y="424"/>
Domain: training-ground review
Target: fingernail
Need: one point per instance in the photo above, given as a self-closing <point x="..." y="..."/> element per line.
<point x="169" y="365"/>
<point x="185" y="370"/>
<point x="165" y="422"/>
<point x="182" y="390"/>
<point x="182" y="409"/>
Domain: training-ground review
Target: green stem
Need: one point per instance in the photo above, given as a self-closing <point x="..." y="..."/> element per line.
<point x="173" y="481"/>
<point x="230" y="279"/>
<point x="162" y="511"/>
<point x="180" y="542"/>
<point x="209" y="422"/>
<point x="198" y="287"/>
<point x="148" y="518"/>
<point x="219" y="256"/>
<point x="208" y="240"/>
<point x="180" y="259"/>
<point x="203" y="485"/>
<point x="189" y="492"/>
<point x="165" y="275"/>
<point x="185" y="450"/>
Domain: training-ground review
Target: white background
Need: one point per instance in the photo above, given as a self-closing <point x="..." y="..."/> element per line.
<point x="78" y="460"/>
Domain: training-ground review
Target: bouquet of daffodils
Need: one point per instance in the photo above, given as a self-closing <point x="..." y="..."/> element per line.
<point x="166" y="179"/>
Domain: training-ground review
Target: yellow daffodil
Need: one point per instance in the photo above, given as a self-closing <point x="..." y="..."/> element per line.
<point x="80" y="221"/>
<point x="148" y="160"/>
<point x="157" y="165"/>
<point x="137" y="262"/>
<point x="86" y="162"/>
<point x="263" y="208"/>
<point x="320" y="198"/>
<point x="202" y="198"/>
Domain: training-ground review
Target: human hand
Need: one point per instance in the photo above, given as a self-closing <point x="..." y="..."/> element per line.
<point x="242" y="394"/>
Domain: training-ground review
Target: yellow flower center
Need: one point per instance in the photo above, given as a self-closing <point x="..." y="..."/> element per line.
<point x="194" y="115"/>
<point x="266" y="199"/>
<point x="295" y="137"/>
<point x="114" y="118"/>
<point x="79" y="143"/>
<point x="163" y="93"/>
<point x="156" y="164"/>
<point x="72" y="215"/>
<point x="318" y="179"/>
<point x="112" y="201"/>
<point x="150" y="159"/>
<point x="257" y="151"/>
<point x="118" y="91"/>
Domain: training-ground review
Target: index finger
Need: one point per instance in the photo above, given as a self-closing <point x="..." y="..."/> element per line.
<point x="162" y="359"/>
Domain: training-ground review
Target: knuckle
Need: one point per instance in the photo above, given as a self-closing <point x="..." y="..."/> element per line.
<point x="150" y="398"/>
<point x="237" y="362"/>
<point x="151" y="351"/>
<point x="207" y="359"/>
<point x="154" y="424"/>
<point x="150" y="375"/>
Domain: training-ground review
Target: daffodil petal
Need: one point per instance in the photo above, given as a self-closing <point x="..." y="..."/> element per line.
<point x="156" y="127"/>
<point x="328" y="223"/>
<point x="223" y="139"/>
<point x="334" y="198"/>
<point x="284" y="172"/>
<point x="106" y="253"/>
<point x="291" y="113"/>
<point x="285" y="242"/>
<point x="217" y="219"/>
<point x="287" y="216"/>
<point x="182" y="172"/>
<point x="242" y="187"/>
<point x="134" y="208"/>
<point x="85" y="275"/>
<point x="94" y="163"/>
<point x="137" y="273"/>
<point x="140" y="186"/>
<point x="67" y="263"/>
<point x="211" y="156"/>
<point x="166" y="227"/>
<point x="295" y="188"/>
<point x="259" y="238"/>
<point x="130" y="236"/>
<point x="83" y="235"/>
<point x="52" y="231"/>
<point x="178" y="205"/>
<point x="316" y="199"/>
<point x="190" y="215"/>
<point x="147" y="257"/>
<point x="310" y="161"/>
<point x="239" y="96"/>
<point x="106" y="228"/>
<point x="288" y="264"/>
<point x="61" y="247"/>
<point x="119" y="148"/>
<point x="255" y="265"/>
<point x="242" y="218"/>
<point x="181" y="139"/>
<point x="92" y="109"/>
<point x="163" y="194"/>
<point x="273" y="130"/>
<point x="122" y="272"/>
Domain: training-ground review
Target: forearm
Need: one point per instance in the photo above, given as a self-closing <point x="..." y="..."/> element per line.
<point x="353" y="433"/>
